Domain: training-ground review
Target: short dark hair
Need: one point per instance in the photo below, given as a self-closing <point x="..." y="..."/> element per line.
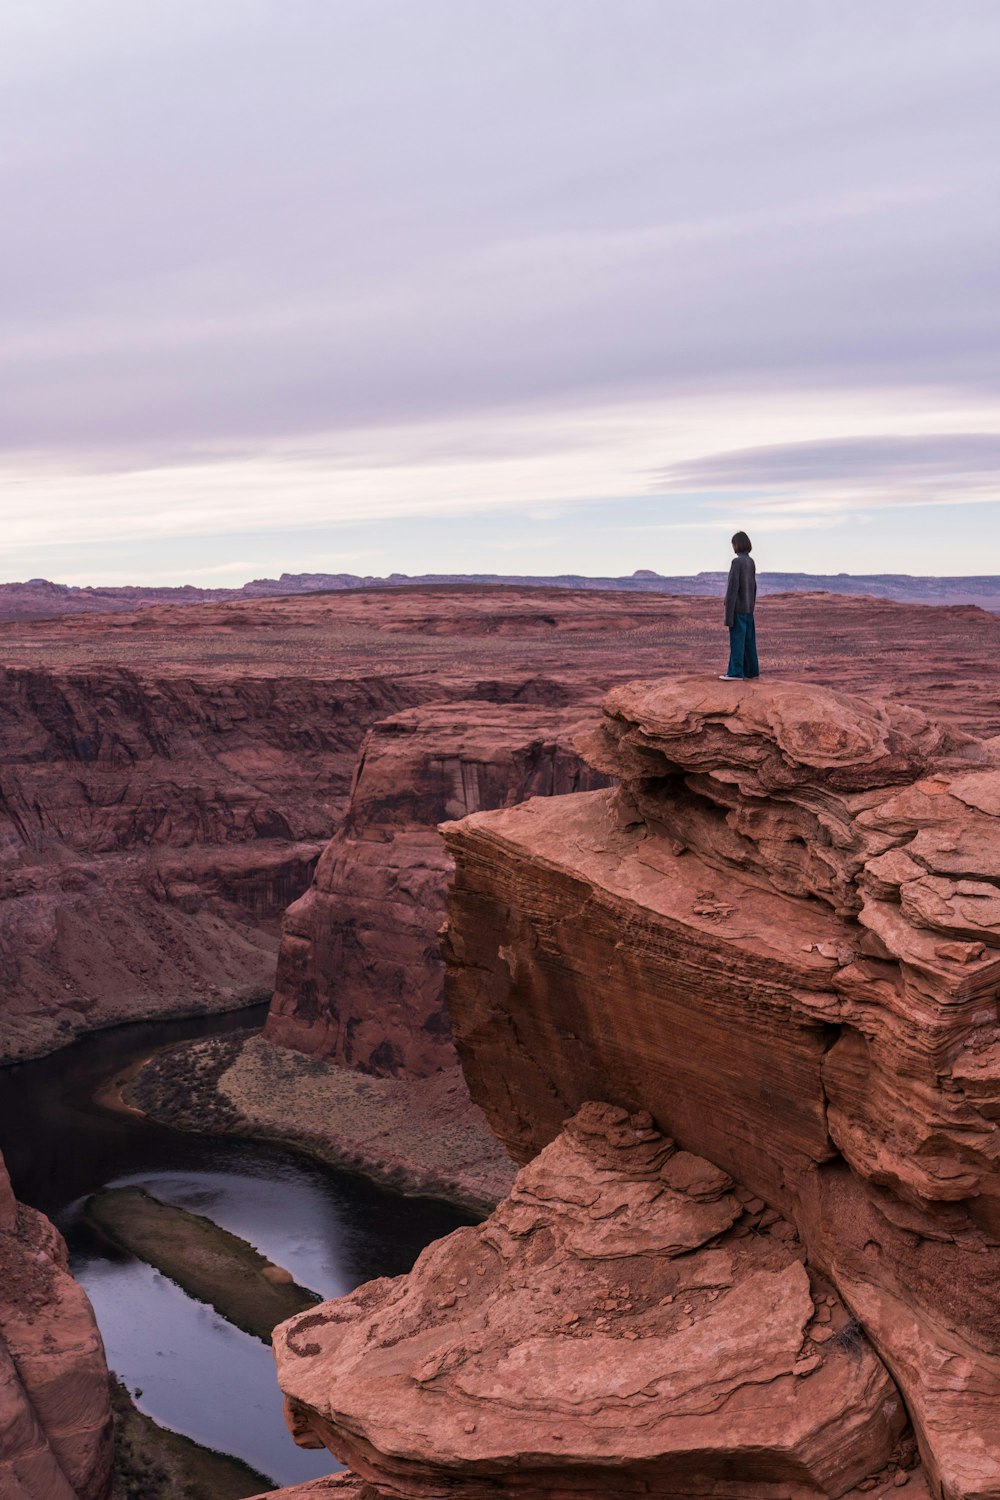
<point x="742" y="542"/>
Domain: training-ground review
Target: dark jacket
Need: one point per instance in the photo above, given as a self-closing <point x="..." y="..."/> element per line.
<point x="741" y="590"/>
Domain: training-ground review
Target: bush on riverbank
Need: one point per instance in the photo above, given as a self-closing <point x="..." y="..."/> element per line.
<point x="154" y="1464"/>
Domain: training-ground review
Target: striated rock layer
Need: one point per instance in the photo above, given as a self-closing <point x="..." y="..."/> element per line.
<point x="168" y="775"/>
<point x="152" y="830"/>
<point x="360" y="974"/>
<point x="55" y="1405"/>
<point x="626" y="1323"/>
<point x="780" y="936"/>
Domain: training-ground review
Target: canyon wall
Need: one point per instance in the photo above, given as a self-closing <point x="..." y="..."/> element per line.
<point x="769" y="958"/>
<point x="359" y="977"/>
<point x="779" y="936"/>
<point x="55" y="1407"/>
<point x="168" y="777"/>
<point x="360" y="973"/>
<point x="152" y="831"/>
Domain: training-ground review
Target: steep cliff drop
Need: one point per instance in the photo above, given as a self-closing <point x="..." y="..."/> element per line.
<point x="168" y="776"/>
<point x="360" y="973"/>
<point x="55" y="1407"/>
<point x="778" y="936"/>
<point x="153" y="828"/>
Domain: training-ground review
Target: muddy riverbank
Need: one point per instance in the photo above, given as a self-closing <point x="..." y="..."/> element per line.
<point x="418" y="1137"/>
<point x="152" y="1463"/>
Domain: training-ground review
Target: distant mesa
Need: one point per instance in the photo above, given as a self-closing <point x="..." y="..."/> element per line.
<point x="39" y="598"/>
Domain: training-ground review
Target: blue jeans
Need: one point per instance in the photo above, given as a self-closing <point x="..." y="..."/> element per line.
<point x="743" y="648"/>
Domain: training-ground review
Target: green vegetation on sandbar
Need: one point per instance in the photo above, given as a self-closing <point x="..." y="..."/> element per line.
<point x="208" y="1262"/>
<point x="152" y="1463"/>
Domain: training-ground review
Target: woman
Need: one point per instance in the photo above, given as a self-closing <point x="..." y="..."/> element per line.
<point x="741" y="596"/>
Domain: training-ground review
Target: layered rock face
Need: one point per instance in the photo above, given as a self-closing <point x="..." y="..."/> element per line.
<point x="780" y="936"/>
<point x="168" y="774"/>
<point x="359" y="971"/>
<point x="152" y="831"/>
<point x="628" y="1322"/>
<point x="55" y="1410"/>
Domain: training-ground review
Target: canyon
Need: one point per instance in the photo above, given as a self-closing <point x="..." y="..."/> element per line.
<point x="169" y="776"/>
<point x="743" y="1001"/>
<point x="359" y="977"/>
<point x="770" y="950"/>
<point x="168" y="779"/>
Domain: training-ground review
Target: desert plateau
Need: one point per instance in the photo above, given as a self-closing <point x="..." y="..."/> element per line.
<point x="514" y="880"/>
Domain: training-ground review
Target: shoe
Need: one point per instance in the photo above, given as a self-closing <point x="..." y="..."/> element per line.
<point x="727" y="678"/>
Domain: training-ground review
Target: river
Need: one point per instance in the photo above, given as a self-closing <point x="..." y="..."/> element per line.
<point x="196" y="1373"/>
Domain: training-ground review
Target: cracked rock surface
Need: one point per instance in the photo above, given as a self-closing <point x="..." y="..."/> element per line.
<point x="779" y="936"/>
<point x="628" y="1322"/>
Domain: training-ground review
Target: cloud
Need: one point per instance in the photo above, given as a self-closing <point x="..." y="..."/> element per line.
<point x="804" y="482"/>
<point x="268" y="265"/>
<point x="322" y="217"/>
<point x="959" y="456"/>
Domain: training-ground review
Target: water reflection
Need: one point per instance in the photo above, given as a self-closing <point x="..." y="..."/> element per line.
<point x="197" y="1374"/>
<point x="278" y="1207"/>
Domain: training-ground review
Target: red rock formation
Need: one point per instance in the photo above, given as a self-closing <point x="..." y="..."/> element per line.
<point x="628" y="1322"/>
<point x="779" y="936"/>
<point x="345" y="1487"/>
<point x="152" y="832"/>
<point x="167" y="774"/>
<point x="55" y="1409"/>
<point x="352" y="1487"/>
<point x="359" y="971"/>
<point x="167" y="777"/>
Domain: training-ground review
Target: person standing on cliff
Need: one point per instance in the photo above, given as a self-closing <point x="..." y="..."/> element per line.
<point x="741" y="596"/>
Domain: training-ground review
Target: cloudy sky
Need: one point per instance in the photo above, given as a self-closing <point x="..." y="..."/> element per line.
<point x="531" y="286"/>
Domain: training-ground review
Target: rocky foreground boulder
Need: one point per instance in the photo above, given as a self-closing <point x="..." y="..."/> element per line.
<point x="776" y="942"/>
<point x="628" y="1322"/>
<point x="55" y="1408"/>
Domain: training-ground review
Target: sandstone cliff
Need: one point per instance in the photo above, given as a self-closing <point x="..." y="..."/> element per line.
<point x="152" y="830"/>
<point x="359" y="972"/>
<point x="55" y="1408"/>
<point x="168" y="775"/>
<point x="779" y="936"/>
<point x="772" y="950"/>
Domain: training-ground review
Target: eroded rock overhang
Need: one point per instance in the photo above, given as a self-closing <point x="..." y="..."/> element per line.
<point x="629" y="1322"/>
<point x="780" y="935"/>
